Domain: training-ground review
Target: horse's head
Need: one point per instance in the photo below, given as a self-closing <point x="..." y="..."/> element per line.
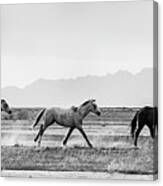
<point x="92" y="106"/>
<point x="74" y="108"/>
<point x="5" y="107"/>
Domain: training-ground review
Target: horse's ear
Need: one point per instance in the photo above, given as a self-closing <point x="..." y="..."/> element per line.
<point x="74" y="108"/>
<point x="2" y="100"/>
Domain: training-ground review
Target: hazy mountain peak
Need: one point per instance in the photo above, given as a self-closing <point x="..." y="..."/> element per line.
<point x="145" y="70"/>
<point x="122" y="89"/>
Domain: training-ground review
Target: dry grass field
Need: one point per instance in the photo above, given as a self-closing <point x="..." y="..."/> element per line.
<point x="113" y="150"/>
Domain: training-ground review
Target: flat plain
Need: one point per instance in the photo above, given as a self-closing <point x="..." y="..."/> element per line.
<point x="113" y="152"/>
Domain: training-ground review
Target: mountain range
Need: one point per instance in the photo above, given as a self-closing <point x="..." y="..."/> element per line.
<point x="119" y="89"/>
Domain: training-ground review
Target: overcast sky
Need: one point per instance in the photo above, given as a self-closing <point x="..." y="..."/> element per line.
<point x="66" y="40"/>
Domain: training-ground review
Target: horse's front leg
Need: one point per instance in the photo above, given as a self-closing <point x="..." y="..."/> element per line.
<point x="85" y="136"/>
<point x="68" y="135"/>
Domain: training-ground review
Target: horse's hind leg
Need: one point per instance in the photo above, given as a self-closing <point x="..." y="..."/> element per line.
<point x="38" y="134"/>
<point x="152" y="131"/>
<point x="43" y="127"/>
<point x="140" y="127"/>
<point x="42" y="130"/>
<point x="41" y="134"/>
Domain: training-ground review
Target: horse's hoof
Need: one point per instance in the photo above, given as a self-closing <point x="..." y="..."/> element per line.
<point x="136" y="147"/>
<point x="64" y="146"/>
<point x="38" y="149"/>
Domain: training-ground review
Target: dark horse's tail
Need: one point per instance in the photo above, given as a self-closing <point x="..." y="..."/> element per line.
<point x="133" y="124"/>
<point x="38" y="117"/>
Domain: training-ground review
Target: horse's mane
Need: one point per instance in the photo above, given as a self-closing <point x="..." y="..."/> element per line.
<point x="85" y="103"/>
<point x="88" y="101"/>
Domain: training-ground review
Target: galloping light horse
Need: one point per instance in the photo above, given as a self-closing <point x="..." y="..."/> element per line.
<point x="145" y="116"/>
<point x="5" y="107"/>
<point x="71" y="118"/>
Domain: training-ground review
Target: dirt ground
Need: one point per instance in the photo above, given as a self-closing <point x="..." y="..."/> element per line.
<point x="113" y="152"/>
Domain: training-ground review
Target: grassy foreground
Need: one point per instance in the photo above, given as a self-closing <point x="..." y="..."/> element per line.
<point x="115" y="159"/>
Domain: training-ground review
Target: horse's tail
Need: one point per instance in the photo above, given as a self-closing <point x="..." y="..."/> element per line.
<point x="133" y="124"/>
<point x="38" y="117"/>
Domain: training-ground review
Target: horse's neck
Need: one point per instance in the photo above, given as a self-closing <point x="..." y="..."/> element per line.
<point x="84" y="111"/>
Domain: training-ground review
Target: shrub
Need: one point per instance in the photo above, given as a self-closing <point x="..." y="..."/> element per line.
<point x="23" y="115"/>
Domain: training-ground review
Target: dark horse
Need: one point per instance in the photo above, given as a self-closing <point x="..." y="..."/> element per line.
<point x="5" y="107"/>
<point x="71" y="118"/>
<point x="145" y="116"/>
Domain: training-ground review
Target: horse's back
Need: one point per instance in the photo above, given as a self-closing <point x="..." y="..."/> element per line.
<point x="149" y="114"/>
<point x="62" y="116"/>
<point x="58" y="110"/>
